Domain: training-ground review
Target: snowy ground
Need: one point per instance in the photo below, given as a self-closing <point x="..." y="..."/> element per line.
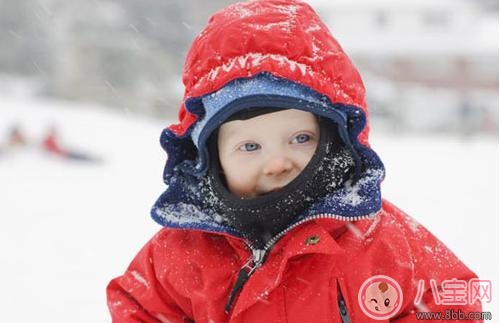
<point x="67" y="228"/>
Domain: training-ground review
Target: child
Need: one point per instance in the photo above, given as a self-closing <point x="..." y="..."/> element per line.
<point x="273" y="210"/>
<point x="51" y="144"/>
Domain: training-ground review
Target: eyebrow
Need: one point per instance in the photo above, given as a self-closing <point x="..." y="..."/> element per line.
<point x="228" y="136"/>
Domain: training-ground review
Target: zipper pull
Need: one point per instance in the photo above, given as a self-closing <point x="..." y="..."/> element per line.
<point x="344" y="315"/>
<point x="245" y="272"/>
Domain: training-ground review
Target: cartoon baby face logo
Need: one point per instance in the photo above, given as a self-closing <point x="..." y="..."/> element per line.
<point x="380" y="297"/>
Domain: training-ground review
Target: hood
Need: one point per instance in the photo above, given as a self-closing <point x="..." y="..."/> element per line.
<point x="286" y="38"/>
<point x="282" y="40"/>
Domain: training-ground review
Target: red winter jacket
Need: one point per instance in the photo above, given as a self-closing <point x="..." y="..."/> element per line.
<point x="186" y="276"/>
<point x="313" y="273"/>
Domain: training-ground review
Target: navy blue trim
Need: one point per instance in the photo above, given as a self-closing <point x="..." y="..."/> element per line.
<point x="183" y="205"/>
<point x="260" y="101"/>
<point x="261" y="90"/>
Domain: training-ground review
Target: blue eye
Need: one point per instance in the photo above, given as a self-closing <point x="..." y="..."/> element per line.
<point x="302" y="138"/>
<point x="250" y="146"/>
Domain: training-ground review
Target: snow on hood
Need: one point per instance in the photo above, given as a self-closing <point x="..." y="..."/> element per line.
<point x="287" y="40"/>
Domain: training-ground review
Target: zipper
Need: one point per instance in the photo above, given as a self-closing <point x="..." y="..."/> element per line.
<point x="244" y="274"/>
<point x="275" y="239"/>
<point x="259" y="255"/>
<point x="344" y="314"/>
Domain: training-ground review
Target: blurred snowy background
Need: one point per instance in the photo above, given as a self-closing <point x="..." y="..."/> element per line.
<point x="106" y="75"/>
<point x="428" y="65"/>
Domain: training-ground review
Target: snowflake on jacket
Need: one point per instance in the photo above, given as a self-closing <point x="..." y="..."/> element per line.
<point x="299" y="261"/>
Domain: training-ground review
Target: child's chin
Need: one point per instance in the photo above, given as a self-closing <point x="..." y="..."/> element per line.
<point x="269" y="192"/>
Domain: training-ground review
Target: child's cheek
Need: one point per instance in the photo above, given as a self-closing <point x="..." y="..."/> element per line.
<point x="240" y="185"/>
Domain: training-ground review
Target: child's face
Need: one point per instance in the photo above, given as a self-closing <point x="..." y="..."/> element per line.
<point x="265" y="153"/>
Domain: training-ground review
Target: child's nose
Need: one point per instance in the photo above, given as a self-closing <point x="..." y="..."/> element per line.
<point x="277" y="165"/>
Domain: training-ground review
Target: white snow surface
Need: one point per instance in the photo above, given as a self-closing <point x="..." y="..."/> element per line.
<point x="67" y="228"/>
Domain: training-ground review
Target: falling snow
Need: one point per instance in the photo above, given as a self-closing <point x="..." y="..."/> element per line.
<point x="85" y="222"/>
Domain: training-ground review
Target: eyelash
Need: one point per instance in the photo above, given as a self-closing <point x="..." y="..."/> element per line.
<point x="244" y="147"/>
<point x="295" y="140"/>
<point x="256" y="146"/>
